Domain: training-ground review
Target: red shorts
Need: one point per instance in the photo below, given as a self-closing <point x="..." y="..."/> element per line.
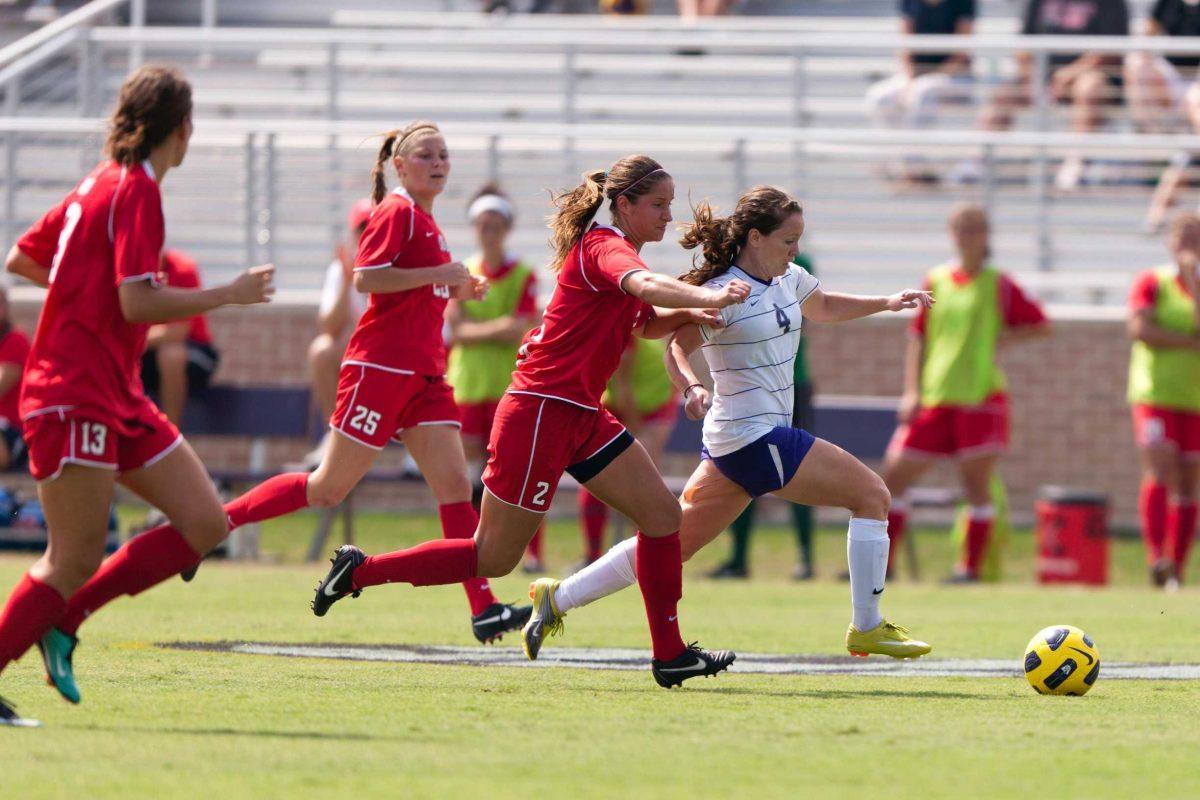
<point x="536" y="439"/>
<point x="375" y="405"/>
<point x="1154" y="425"/>
<point x="477" y="418"/>
<point x="56" y="437"/>
<point x="960" y="431"/>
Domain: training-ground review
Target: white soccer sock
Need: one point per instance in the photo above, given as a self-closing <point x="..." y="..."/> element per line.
<point x="867" y="553"/>
<point x="610" y="573"/>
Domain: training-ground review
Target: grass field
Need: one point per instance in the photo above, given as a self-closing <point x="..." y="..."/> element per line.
<point x="166" y="723"/>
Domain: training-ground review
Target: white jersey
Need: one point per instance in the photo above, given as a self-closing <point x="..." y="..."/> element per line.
<point x="752" y="359"/>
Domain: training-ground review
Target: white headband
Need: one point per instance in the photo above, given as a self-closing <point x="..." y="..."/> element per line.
<point x="490" y="202"/>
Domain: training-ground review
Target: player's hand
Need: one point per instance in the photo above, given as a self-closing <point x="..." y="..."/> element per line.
<point x="909" y="404"/>
<point x="697" y="404"/>
<point x="475" y="289"/>
<point x="910" y="298"/>
<point x="453" y="273"/>
<point x="706" y="316"/>
<point x="255" y="285"/>
<point x="735" y="291"/>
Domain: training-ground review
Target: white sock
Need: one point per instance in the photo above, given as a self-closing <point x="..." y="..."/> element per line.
<point x="610" y="573"/>
<point x="867" y="553"/>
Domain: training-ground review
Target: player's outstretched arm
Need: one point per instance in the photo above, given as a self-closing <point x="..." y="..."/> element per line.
<point x="836" y="307"/>
<point x="142" y="301"/>
<point x="668" y="320"/>
<point x="659" y="290"/>
<point x="19" y="263"/>
<point x="696" y="398"/>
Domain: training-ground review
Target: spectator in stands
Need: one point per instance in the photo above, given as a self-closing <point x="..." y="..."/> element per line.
<point x="1088" y="81"/>
<point x="910" y="98"/>
<point x="623" y="7"/>
<point x="690" y="9"/>
<point x="14" y="349"/>
<point x="802" y="516"/>
<point x="640" y="395"/>
<point x="180" y="358"/>
<point x="337" y="314"/>
<point x="1164" y="390"/>
<point x="954" y="402"/>
<point x="1160" y="100"/>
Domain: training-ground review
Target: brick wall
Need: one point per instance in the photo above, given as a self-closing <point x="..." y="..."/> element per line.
<point x="1070" y="422"/>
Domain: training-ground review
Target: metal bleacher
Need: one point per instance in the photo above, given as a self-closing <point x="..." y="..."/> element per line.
<point x="286" y="107"/>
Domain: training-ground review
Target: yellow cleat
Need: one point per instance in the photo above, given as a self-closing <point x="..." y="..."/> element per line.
<point x="545" y="620"/>
<point x="885" y="639"/>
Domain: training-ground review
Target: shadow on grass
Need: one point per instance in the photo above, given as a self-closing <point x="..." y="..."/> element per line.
<point x="816" y="694"/>
<point x="258" y="734"/>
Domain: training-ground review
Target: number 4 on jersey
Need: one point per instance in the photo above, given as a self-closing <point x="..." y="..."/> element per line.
<point x="783" y="319"/>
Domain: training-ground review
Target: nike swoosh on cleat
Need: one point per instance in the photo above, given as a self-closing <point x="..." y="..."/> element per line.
<point x="329" y="584"/>
<point x="496" y="618"/>
<point x="697" y="667"/>
<point x="1085" y="654"/>
<point x="877" y="591"/>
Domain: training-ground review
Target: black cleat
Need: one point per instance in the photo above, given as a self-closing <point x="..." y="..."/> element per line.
<point x="498" y="619"/>
<point x="10" y="717"/>
<point x="727" y="572"/>
<point x="190" y="572"/>
<point x="338" y="581"/>
<point x="691" y="662"/>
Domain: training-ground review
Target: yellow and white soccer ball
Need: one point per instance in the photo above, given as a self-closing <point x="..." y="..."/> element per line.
<point x="1062" y="659"/>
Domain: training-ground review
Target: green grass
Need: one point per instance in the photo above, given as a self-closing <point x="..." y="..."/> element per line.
<point x="166" y="723"/>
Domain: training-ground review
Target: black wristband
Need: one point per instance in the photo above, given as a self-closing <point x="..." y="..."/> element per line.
<point x="690" y="387"/>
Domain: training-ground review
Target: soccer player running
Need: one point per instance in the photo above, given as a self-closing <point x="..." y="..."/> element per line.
<point x="1164" y="390"/>
<point x="954" y="403"/>
<point x="551" y="421"/>
<point x="750" y="447"/>
<point x="88" y="423"/>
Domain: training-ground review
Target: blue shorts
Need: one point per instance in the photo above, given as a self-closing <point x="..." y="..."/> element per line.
<point x="766" y="464"/>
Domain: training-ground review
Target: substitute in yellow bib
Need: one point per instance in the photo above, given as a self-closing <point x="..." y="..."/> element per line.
<point x="954" y="403"/>
<point x="485" y="334"/>
<point x="1164" y="390"/>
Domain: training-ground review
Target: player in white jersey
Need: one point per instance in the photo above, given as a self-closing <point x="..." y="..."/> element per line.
<point x="750" y="448"/>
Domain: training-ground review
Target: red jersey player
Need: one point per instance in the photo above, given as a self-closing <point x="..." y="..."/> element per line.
<point x="551" y="420"/>
<point x="87" y="422"/>
<point x="392" y="383"/>
<point x="14" y="350"/>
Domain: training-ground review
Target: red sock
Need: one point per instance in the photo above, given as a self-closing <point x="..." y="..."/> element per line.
<point x="1181" y="532"/>
<point x="145" y="560"/>
<point x="32" y="609"/>
<point x="1152" y="507"/>
<point x="979" y="531"/>
<point x="431" y="563"/>
<point x="897" y="525"/>
<point x="272" y="498"/>
<point x="459" y="521"/>
<point x="534" y="548"/>
<point x="593" y="517"/>
<point x="659" y="564"/>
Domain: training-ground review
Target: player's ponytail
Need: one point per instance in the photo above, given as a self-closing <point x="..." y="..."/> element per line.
<point x="721" y="239"/>
<point x="151" y="105"/>
<point x="630" y="177"/>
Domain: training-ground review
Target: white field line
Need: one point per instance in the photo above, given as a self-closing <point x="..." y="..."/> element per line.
<point x="615" y="659"/>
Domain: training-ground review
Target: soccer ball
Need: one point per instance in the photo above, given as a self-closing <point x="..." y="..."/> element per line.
<point x="1061" y="659"/>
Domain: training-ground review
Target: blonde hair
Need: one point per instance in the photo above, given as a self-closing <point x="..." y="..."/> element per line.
<point x="397" y="142"/>
<point x="720" y="239"/>
<point x="630" y="177"/>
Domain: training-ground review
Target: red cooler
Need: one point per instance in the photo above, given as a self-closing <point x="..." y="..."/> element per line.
<point x="1072" y="536"/>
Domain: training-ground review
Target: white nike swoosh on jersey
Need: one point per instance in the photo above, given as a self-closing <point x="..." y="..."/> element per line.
<point x="428" y="234"/>
<point x="502" y="616"/>
<point x="699" y="665"/>
<point x="329" y="584"/>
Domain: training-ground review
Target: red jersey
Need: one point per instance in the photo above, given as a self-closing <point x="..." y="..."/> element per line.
<point x="14" y="349"/>
<point x="574" y="352"/>
<point x="402" y="331"/>
<point x="85" y="354"/>
<point x="181" y="272"/>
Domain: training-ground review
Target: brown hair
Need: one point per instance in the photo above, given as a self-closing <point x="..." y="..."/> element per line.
<point x="631" y="177"/>
<point x="762" y="209"/>
<point x="1182" y="222"/>
<point x="396" y="142"/>
<point x="153" y="102"/>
